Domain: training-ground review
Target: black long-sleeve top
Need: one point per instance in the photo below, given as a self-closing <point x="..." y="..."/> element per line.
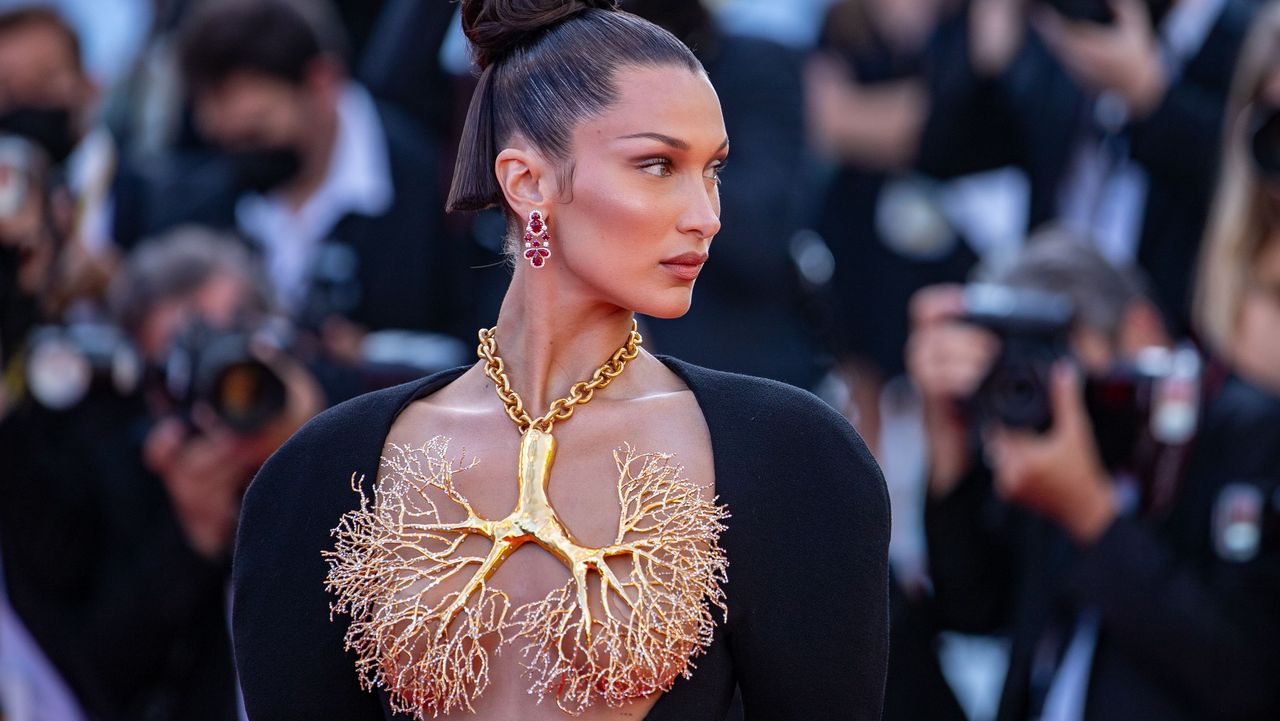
<point x="806" y="635"/>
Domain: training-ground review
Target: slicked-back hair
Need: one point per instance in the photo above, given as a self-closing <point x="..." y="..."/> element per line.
<point x="550" y="78"/>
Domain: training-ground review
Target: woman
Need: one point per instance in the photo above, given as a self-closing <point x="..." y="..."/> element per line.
<point x="603" y="593"/>
<point x="1237" y="304"/>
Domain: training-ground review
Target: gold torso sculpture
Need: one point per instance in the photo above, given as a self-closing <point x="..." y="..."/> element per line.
<point x="602" y="636"/>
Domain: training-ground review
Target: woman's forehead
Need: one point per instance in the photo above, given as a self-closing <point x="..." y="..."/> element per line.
<point x="667" y="100"/>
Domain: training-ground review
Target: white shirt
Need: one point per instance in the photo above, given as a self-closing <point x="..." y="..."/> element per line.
<point x="358" y="181"/>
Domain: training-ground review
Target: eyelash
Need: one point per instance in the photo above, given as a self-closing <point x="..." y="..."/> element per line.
<point x="666" y="163"/>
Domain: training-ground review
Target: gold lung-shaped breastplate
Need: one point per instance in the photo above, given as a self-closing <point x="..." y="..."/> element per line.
<point x="432" y="655"/>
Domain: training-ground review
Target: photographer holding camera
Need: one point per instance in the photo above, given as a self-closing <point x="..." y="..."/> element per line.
<point x="1124" y="597"/>
<point x="130" y="605"/>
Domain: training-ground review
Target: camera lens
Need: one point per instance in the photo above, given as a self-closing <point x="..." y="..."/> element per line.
<point x="247" y="395"/>
<point x="1019" y="398"/>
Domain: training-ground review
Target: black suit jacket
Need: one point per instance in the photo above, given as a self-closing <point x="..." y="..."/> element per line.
<point x="99" y="569"/>
<point x="1032" y="115"/>
<point x="1185" y="633"/>
<point x="406" y="275"/>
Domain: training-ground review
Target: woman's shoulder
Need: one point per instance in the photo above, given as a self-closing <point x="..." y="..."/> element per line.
<point x="752" y="406"/>
<point x="761" y="428"/>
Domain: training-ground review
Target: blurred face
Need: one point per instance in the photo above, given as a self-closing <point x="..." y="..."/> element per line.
<point x="637" y="223"/>
<point x="39" y="68"/>
<point x="906" y="24"/>
<point x="217" y="303"/>
<point x="250" y="111"/>
<point x="1257" y="352"/>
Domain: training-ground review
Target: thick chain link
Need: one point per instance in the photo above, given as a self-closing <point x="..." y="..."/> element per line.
<point x="562" y="408"/>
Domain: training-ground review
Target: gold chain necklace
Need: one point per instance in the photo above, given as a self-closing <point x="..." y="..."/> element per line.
<point x="650" y="617"/>
<point x="579" y="393"/>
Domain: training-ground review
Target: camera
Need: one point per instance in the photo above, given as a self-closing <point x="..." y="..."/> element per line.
<point x="64" y="364"/>
<point x="229" y="371"/>
<point x="1145" y="412"/>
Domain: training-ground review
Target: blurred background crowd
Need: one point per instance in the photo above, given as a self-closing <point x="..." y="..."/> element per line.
<point x="219" y="217"/>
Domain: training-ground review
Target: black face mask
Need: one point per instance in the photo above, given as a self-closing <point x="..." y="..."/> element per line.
<point x="264" y="169"/>
<point x="1264" y="140"/>
<point x="50" y="128"/>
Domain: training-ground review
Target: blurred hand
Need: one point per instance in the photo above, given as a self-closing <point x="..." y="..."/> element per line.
<point x="206" y="473"/>
<point x="946" y="361"/>
<point x="1058" y="474"/>
<point x="1122" y="56"/>
<point x="877" y="127"/>
<point x="996" y="30"/>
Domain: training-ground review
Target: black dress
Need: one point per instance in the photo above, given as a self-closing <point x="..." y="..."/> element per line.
<point x="807" y="631"/>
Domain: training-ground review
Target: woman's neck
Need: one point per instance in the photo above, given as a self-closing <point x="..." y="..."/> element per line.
<point x="550" y="340"/>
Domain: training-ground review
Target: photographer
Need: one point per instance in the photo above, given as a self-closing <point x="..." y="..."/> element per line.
<point x="28" y="248"/>
<point x="1118" y="606"/>
<point x="331" y="185"/>
<point x="119" y="510"/>
<point x="48" y="97"/>
<point x="1112" y="108"/>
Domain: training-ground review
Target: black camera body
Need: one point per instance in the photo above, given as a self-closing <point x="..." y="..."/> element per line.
<point x="227" y="370"/>
<point x="1144" y="413"/>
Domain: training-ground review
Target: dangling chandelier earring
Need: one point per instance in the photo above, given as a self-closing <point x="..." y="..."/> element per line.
<point x="537" y="240"/>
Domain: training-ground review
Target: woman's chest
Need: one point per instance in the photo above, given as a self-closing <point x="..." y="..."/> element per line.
<point x="584" y="576"/>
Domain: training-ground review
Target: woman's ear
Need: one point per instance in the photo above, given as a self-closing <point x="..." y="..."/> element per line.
<point x="523" y="175"/>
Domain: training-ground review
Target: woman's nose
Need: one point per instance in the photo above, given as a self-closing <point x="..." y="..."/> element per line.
<point x="702" y="216"/>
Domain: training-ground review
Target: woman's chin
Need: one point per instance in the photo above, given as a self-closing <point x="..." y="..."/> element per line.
<point x="673" y="305"/>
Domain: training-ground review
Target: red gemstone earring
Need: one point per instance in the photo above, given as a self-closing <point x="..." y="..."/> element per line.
<point x="537" y="240"/>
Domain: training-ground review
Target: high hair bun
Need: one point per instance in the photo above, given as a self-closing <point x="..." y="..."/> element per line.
<point x="497" y="27"/>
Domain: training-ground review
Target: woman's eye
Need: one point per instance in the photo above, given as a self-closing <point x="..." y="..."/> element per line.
<point x="660" y="167"/>
<point x="713" y="172"/>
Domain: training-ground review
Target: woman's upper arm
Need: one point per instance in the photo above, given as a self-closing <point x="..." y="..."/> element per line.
<point x="810" y="579"/>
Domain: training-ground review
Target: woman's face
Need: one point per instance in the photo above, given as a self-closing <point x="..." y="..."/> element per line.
<point x="1257" y="351"/>
<point x="636" y="224"/>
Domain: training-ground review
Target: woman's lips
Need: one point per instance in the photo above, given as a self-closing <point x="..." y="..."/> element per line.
<point x="687" y="266"/>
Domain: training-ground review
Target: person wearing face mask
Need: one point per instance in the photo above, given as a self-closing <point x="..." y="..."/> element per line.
<point x="47" y="97"/>
<point x="572" y="526"/>
<point x="329" y="184"/>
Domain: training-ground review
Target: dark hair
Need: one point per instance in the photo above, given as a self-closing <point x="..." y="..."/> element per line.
<point x="22" y="18"/>
<point x="275" y="38"/>
<point x="545" y="66"/>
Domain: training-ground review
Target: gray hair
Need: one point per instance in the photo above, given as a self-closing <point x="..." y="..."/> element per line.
<point x="178" y="263"/>
<point x="1056" y="260"/>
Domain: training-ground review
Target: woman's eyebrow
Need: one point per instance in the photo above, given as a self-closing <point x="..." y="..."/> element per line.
<point x="668" y="140"/>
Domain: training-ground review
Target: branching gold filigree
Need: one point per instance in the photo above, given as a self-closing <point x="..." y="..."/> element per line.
<point x="611" y="633"/>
